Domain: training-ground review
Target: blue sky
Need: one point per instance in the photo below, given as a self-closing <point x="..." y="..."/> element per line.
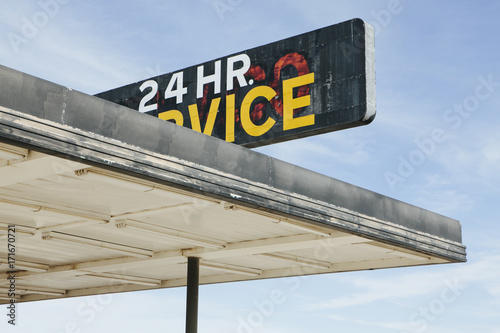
<point x="438" y="111"/>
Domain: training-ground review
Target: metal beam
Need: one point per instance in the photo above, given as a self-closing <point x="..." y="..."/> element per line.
<point x="231" y="268"/>
<point x="123" y="181"/>
<point x="39" y="207"/>
<point x="26" y="265"/>
<point x="12" y="153"/>
<point x="123" y="278"/>
<point x="36" y="165"/>
<point x="148" y="212"/>
<point x="20" y="230"/>
<point x="276" y="244"/>
<point x="176" y="235"/>
<point x="299" y="260"/>
<point x="268" y="245"/>
<point x="25" y="290"/>
<point x="393" y="251"/>
<point x="133" y="251"/>
<point x="69" y="225"/>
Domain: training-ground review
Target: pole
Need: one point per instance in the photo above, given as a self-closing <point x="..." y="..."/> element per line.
<point x="193" y="277"/>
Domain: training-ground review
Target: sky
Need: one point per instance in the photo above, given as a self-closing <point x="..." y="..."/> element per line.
<point x="434" y="143"/>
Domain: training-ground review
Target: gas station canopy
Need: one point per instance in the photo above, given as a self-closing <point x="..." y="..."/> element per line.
<point x="106" y="199"/>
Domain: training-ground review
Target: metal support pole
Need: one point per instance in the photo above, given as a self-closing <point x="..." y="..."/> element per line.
<point x="193" y="280"/>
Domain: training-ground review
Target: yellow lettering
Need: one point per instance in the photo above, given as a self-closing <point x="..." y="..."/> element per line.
<point x="246" y="122"/>
<point x="230" y="118"/>
<point x="212" y="114"/>
<point x="174" y="115"/>
<point x="290" y="103"/>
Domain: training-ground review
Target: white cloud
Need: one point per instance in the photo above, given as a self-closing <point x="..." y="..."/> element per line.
<point x="371" y="290"/>
<point x="472" y="158"/>
<point x="332" y="154"/>
<point x="401" y="326"/>
<point x="462" y="277"/>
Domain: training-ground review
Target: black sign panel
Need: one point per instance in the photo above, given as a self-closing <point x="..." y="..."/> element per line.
<point x="313" y="83"/>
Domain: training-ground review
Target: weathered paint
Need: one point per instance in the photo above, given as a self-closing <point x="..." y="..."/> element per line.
<point x="313" y="83"/>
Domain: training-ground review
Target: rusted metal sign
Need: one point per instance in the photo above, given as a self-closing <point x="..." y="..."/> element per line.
<point x="313" y="83"/>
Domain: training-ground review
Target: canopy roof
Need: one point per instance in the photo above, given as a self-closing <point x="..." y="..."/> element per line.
<point x="105" y="199"/>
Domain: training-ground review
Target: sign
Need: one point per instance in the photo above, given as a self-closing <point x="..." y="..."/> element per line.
<point x="313" y="83"/>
